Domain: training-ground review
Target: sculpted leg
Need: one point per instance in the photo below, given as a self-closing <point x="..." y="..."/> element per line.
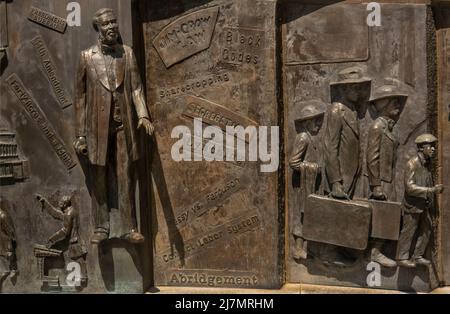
<point x="100" y="205"/>
<point x="126" y="174"/>
<point x="410" y="224"/>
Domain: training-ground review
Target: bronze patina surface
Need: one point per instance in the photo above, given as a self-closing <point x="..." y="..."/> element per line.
<point x="96" y="196"/>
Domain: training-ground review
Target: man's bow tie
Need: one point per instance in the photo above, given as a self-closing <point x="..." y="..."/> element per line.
<point x="107" y="49"/>
<point x="391" y="124"/>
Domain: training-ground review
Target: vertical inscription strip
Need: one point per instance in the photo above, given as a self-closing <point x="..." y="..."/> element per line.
<point x="36" y="113"/>
<point x="50" y="71"/>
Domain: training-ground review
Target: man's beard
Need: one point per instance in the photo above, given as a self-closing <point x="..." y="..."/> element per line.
<point x="107" y="40"/>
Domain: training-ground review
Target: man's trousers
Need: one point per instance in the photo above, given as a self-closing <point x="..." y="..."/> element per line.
<point x="115" y="181"/>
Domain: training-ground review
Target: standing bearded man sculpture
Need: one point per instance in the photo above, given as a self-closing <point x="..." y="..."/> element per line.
<point x="110" y="107"/>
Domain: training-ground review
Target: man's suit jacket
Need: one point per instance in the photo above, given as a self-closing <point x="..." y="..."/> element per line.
<point x="94" y="97"/>
<point x="381" y="153"/>
<point x="418" y="181"/>
<point x="306" y="158"/>
<point x="305" y="150"/>
<point x="341" y="146"/>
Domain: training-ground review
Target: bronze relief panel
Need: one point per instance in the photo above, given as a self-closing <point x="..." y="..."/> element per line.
<point x="347" y="205"/>
<point x="215" y="222"/>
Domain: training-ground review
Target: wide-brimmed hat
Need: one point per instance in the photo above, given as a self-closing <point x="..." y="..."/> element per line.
<point x="351" y="75"/>
<point x="311" y="109"/>
<point x="426" y="139"/>
<point x="387" y="91"/>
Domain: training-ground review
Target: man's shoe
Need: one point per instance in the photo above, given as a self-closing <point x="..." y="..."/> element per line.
<point x="299" y="253"/>
<point x="13" y="273"/>
<point x="4" y="275"/>
<point x="383" y="260"/>
<point x="134" y="237"/>
<point x="422" y="261"/>
<point x="99" y="237"/>
<point x="406" y="263"/>
<point x="84" y="281"/>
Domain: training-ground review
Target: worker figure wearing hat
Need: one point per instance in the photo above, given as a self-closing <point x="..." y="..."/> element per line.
<point x="381" y="154"/>
<point x="342" y="138"/>
<point x="306" y="159"/>
<point x="419" y="198"/>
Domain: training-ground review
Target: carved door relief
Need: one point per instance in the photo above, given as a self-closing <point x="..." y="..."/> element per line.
<point x="345" y="166"/>
<point x="92" y="200"/>
<point x="215" y="222"/>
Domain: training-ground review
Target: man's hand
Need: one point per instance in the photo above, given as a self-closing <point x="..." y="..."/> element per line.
<point x="378" y="193"/>
<point x="40" y="199"/>
<point x="147" y="125"/>
<point x="437" y="189"/>
<point x="310" y="165"/>
<point x="80" y="145"/>
<point x="338" y="191"/>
